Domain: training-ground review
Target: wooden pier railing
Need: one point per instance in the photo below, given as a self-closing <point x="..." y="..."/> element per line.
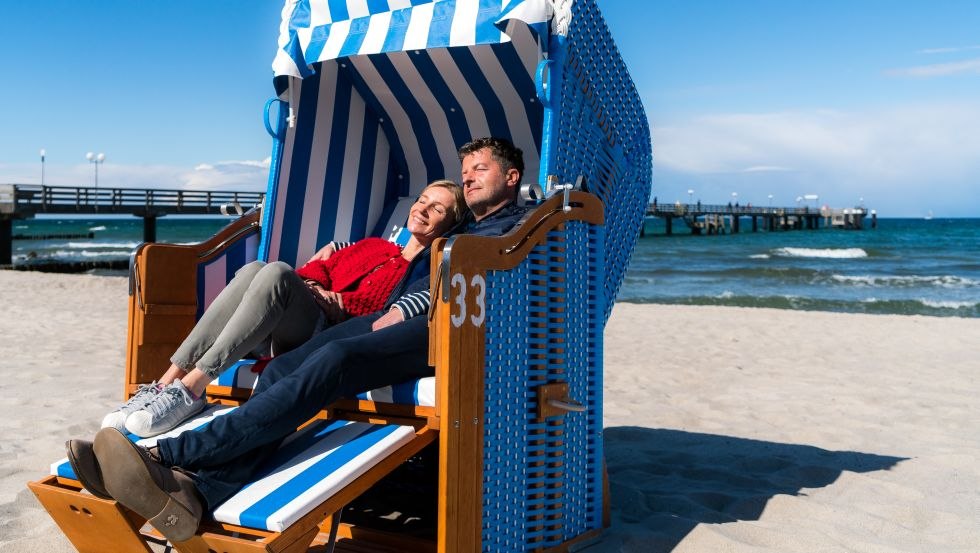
<point x="721" y="219"/>
<point x="21" y="201"/>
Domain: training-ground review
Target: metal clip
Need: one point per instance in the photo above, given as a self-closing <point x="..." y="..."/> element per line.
<point x="566" y="189"/>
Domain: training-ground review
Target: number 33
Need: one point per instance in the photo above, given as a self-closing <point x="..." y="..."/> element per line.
<point x="459" y="281"/>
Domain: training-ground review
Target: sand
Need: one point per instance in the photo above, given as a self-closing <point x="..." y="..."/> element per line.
<point x="729" y="430"/>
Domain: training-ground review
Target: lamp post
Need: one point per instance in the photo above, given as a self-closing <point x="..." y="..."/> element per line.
<point x="96" y="159"/>
<point x="42" y="166"/>
<point x="690" y="195"/>
<point x="770" y="201"/>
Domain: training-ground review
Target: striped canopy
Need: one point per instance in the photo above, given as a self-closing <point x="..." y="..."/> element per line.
<point x="320" y="30"/>
<point x="382" y="94"/>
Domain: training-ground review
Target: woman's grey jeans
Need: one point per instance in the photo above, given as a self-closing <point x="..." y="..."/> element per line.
<point x="264" y="302"/>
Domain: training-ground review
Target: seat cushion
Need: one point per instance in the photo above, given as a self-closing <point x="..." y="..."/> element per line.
<point x="309" y="467"/>
<point x="420" y="392"/>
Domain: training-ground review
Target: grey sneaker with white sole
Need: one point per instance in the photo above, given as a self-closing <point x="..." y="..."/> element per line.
<point x="169" y="408"/>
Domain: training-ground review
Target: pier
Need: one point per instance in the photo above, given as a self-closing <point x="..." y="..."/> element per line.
<point x="23" y="201"/>
<point x="728" y="219"/>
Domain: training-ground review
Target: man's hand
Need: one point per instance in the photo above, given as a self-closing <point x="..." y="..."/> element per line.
<point x="323" y="253"/>
<point x="392" y="317"/>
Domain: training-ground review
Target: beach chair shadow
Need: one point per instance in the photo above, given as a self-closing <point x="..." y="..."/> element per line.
<point x="670" y="480"/>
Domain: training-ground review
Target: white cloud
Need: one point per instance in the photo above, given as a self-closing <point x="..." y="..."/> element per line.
<point x="938" y="69"/>
<point x="247" y="175"/>
<point x="913" y="152"/>
<point x="948" y="50"/>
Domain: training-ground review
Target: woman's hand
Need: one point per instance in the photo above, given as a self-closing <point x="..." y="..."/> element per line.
<point x="391" y="317"/>
<point x="323" y="253"/>
<point x="332" y="303"/>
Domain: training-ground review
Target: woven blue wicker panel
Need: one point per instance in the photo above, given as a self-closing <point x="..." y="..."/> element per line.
<point x="603" y="133"/>
<point x="542" y="481"/>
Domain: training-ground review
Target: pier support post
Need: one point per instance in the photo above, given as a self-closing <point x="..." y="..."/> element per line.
<point x="734" y="224"/>
<point x="670" y="225"/>
<point x="149" y="228"/>
<point x="755" y="224"/>
<point x="6" y="240"/>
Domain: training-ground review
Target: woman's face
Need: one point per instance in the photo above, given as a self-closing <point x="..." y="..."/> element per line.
<point x="431" y="215"/>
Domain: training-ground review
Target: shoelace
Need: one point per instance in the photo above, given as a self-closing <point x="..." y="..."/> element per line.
<point x="143" y="396"/>
<point x="167" y="399"/>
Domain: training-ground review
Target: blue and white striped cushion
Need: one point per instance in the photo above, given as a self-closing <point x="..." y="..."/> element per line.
<point x="311" y="466"/>
<point x="63" y="468"/>
<point x="420" y="392"/>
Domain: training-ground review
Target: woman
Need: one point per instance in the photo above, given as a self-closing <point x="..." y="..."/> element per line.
<point x="272" y="303"/>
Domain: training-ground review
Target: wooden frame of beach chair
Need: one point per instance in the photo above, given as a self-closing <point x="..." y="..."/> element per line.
<point x="512" y="371"/>
<point x="545" y="245"/>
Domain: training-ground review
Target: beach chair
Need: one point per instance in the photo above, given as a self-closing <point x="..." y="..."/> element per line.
<point x="373" y="101"/>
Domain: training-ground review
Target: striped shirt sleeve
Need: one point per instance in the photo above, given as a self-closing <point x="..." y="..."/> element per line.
<point x="341" y="244"/>
<point x="414" y="304"/>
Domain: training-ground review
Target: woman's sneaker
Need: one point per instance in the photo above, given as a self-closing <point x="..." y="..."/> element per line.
<point x="144" y="394"/>
<point x="172" y="406"/>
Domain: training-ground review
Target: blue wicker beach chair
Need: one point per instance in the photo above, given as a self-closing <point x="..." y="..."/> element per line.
<point x="373" y="100"/>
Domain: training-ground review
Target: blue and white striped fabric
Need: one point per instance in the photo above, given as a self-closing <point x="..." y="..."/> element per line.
<point x="319" y="30"/>
<point x="378" y="122"/>
<point x="63" y="468"/>
<point x="420" y="392"/>
<point x="215" y="274"/>
<point x="311" y="466"/>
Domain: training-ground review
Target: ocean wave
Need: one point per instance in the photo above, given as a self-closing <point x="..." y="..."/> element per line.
<point x="87" y="254"/>
<point x="99" y="245"/>
<point x="760" y="256"/>
<point x="941" y="281"/>
<point x="950" y="304"/>
<point x="828" y="253"/>
<point x="871" y="305"/>
<point x="98" y="228"/>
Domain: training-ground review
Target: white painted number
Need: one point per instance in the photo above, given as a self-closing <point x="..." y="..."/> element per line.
<point x="459" y="281"/>
<point x="478" y="282"/>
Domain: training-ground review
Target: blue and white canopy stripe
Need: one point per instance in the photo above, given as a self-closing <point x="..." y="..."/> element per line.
<point x="319" y="30"/>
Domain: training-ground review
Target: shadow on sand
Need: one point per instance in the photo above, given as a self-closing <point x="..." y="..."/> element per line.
<point x="670" y="481"/>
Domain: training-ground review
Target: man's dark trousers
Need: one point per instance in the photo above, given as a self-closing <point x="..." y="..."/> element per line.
<point x="341" y="361"/>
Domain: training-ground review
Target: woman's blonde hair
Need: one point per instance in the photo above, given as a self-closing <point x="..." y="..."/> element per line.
<point x="459" y="209"/>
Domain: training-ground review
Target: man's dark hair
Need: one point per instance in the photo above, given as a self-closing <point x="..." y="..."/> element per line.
<point x="503" y="151"/>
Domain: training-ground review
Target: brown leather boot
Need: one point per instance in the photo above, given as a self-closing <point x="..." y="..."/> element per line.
<point x="86" y="467"/>
<point x="167" y="498"/>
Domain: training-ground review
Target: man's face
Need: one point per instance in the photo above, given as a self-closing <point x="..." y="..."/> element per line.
<point x="486" y="186"/>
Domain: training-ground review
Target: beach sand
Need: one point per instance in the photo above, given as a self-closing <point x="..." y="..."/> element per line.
<point x="727" y="429"/>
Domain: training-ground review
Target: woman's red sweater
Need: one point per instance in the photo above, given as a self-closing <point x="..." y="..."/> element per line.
<point x="364" y="273"/>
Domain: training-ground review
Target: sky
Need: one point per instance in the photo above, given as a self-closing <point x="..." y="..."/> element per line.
<point x="865" y="101"/>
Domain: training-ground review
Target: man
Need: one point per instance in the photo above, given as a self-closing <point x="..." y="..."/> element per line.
<point x="173" y="484"/>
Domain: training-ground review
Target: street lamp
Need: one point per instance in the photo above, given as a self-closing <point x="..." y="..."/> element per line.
<point x="42" y="166"/>
<point x="690" y="195"/>
<point x="96" y="159"/>
<point x="770" y="201"/>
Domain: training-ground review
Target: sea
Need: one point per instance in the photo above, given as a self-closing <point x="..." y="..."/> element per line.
<point x="904" y="266"/>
